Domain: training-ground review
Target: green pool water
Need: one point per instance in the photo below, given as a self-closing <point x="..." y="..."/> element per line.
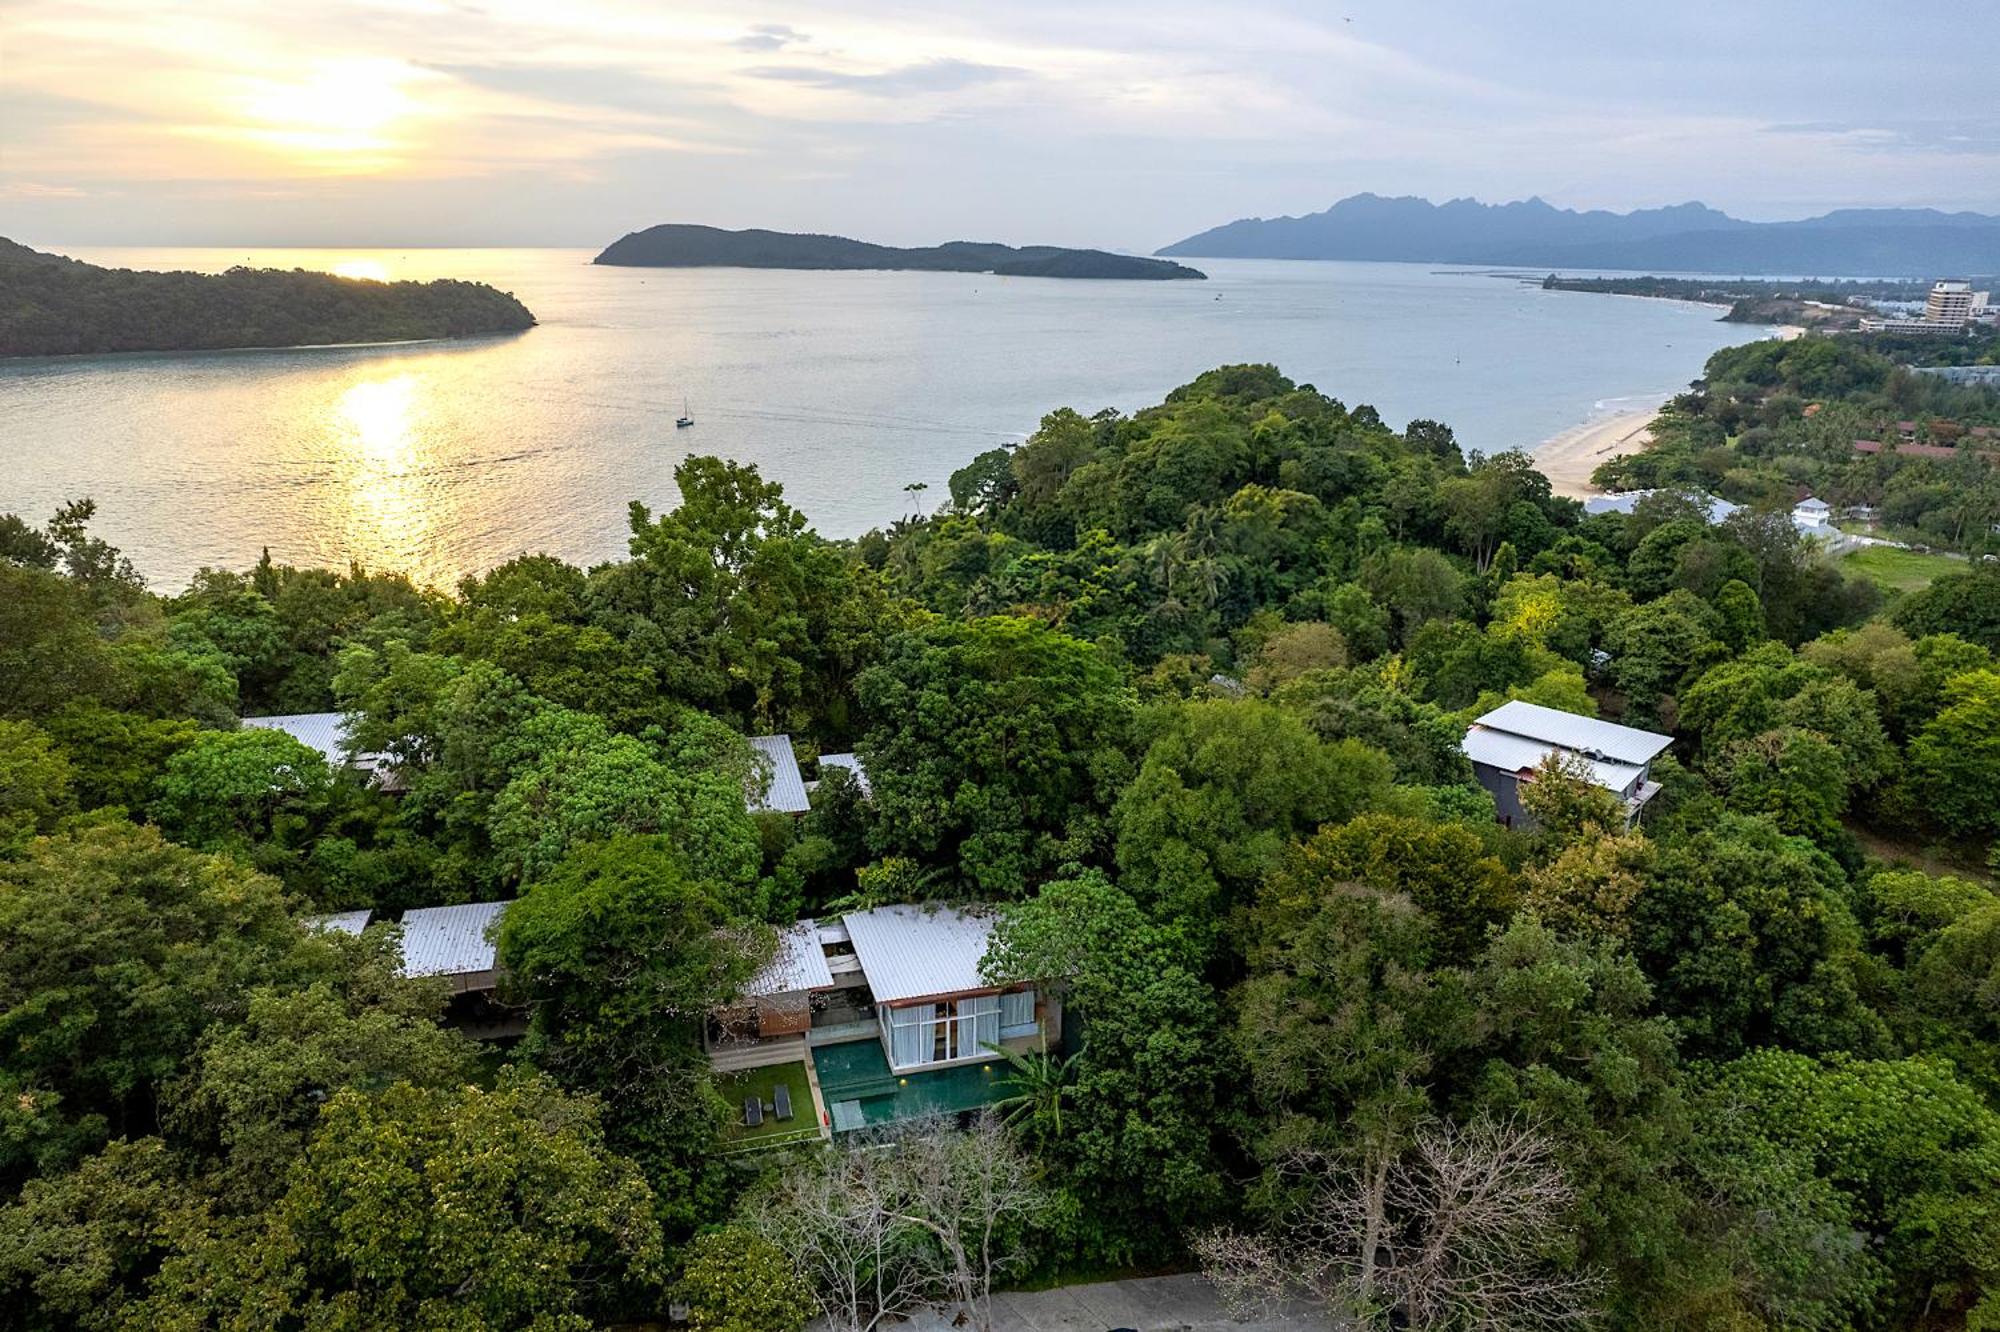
<point x="860" y="1089"/>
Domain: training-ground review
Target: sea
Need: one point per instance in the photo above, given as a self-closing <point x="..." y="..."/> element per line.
<point x="860" y="392"/>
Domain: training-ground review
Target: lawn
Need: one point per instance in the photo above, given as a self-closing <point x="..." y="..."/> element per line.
<point x="1897" y="571"/>
<point x="763" y="1084"/>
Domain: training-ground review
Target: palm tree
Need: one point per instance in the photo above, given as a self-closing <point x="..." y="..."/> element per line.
<point x="1041" y="1082"/>
<point x="915" y="490"/>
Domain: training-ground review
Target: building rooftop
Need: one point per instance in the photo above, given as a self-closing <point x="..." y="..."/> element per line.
<point x="452" y="940"/>
<point x="784" y="789"/>
<point x="1814" y="505"/>
<point x="1626" y="744"/>
<point x="1625" y="501"/>
<point x="851" y="762"/>
<point x="340" y="922"/>
<point x="917" y="952"/>
<point x="1517" y="736"/>
<point x="799" y="964"/>
<point x="324" y="731"/>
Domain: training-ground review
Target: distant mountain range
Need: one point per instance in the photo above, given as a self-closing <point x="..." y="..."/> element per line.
<point x="679" y="245"/>
<point x="1688" y="238"/>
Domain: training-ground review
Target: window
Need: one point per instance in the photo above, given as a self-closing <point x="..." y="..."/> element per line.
<point x="1017" y="1015"/>
<point x="942" y="1032"/>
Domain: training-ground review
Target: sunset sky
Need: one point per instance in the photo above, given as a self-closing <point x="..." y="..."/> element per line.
<point x="1126" y="125"/>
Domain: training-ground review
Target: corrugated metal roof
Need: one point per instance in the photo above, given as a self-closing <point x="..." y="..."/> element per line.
<point x="345" y="922"/>
<point x="1515" y="753"/>
<point x="450" y="941"/>
<point x="798" y="965"/>
<point x="851" y="762"/>
<point x="784" y="790"/>
<point x="1623" y="744"/>
<point x="913" y="952"/>
<point x="324" y="731"/>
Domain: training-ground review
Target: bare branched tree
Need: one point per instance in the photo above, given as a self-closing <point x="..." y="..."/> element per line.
<point x="896" y="1220"/>
<point x="1462" y="1231"/>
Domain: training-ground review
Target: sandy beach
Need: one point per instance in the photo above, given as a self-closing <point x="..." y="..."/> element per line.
<point x="1568" y="459"/>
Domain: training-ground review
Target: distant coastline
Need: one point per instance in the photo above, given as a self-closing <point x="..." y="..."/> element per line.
<point x="680" y="245"/>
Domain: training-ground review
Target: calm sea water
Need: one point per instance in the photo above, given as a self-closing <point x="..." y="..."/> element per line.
<point x="448" y="458"/>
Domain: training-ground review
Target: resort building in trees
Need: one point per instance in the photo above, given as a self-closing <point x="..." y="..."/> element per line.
<point x="329" y="733"/>
<point x="881" y="1015"/>
<point x="1510" y="743"/>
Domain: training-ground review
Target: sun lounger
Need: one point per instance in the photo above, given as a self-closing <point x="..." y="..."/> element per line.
<point x="781" y="1103"/>
<point x="753" y="1112"/>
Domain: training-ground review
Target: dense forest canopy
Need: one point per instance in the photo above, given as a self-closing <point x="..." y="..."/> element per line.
<point x="1182" y="693"/>
<point x="53" y="306"/>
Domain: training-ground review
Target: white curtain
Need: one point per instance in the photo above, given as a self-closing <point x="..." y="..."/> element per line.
<point x="982" y="1028"/>
<point x="1017" y="1013"/>
<point x="910" y="1039"/>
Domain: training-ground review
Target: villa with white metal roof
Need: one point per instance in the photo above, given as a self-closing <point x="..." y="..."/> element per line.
<point x="777" y="787"/>
<point x="887" y="1013"/>
<point x="1509" y="743"/>
<point x="330" y="733"/>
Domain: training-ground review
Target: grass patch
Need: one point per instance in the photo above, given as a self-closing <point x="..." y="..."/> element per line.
<point x="763" y="1083"/>
<point x="1899" y="571"/>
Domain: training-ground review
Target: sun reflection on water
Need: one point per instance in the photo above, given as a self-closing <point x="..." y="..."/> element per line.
<point x="381" y="450"/>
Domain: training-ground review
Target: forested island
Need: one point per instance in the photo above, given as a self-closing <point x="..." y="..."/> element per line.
<point x="679" y="245"/>
<point x="1173" y="715"/>
<point x="55" y="306"/>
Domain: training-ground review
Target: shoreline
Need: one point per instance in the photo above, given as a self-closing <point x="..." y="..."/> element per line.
<point x="1567" y="459"/>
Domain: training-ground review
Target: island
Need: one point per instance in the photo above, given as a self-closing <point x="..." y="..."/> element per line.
<point x="55" y="306"/>
<point x="681" y="245"/>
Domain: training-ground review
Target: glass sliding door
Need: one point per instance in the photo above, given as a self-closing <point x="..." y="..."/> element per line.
<point x="944" y="1031"/>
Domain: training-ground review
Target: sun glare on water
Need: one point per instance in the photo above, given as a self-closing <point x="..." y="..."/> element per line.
<point x="372" y="270"/>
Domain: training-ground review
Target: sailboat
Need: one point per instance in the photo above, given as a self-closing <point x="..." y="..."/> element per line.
<point x="683" y="421"/>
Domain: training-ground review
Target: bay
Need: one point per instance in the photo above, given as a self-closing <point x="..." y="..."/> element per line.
<point x="442" y="459"/>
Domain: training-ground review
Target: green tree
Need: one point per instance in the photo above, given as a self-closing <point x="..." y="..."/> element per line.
<point x="1443" y="868"/>
<point x="1749" y="938"/>
<point x="252" y="1090"/>
<point x="34" y="785"/>
<point x="1224" y="786"/>
<point x="239" y="788"/>
<point x="735" y="1280"/>
<point x="122" y="950"/>
<point x="994" y="748"/>
<point x="620" y="952"/>
<point x="426" y="1208"/>
<point x="1139" y="1156"/>
<point x="1955" y="760"/>
<point x="1915" y="1152"/>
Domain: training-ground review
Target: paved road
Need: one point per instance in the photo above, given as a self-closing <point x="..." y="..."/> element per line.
<point x="1150" y="1304"/>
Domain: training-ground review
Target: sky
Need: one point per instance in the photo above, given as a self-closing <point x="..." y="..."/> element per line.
<point x="1124" y="124"/>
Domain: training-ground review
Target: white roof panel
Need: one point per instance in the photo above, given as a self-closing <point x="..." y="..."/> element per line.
<point x="851" y="762"/>
<point x="798" y="965"/>
<point x="916" y="952"/>
<point x="1515" y="753"/>
<point x="343" y="922"/>
<point x="1586" y="735"/>
<point x="450" y="941"/>
<point x="324" y="731"/>
<point x="784" y="790"/>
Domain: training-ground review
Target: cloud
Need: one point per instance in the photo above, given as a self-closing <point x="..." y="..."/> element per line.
<point x="1979" y="136"/>
<point x="769" y="37"/>
<point x="929" y="76"/>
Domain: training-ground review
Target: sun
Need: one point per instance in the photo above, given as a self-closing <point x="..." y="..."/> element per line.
<point x="371" y="270"/>
<point x="336" y="109"/>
